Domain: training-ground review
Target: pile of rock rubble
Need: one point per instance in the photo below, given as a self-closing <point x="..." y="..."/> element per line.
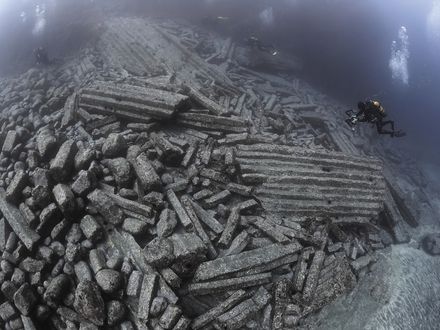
<point x="148" y="202"/>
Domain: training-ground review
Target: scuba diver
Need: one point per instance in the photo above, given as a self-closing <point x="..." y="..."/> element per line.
<point x="41" y="57"/>
<point x="256" y="43"/>
<point x="373" y="112"/>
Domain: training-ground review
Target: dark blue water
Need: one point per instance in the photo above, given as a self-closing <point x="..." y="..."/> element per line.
<point x="344" y="44"/>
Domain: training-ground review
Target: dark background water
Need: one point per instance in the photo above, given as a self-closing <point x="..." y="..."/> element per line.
<point x="345" y="45"/>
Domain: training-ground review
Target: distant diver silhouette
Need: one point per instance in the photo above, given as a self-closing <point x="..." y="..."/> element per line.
<point x="41" y="57"/>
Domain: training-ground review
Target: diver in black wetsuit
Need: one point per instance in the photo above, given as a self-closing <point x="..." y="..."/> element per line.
<point x="41" y="57"/>
<point x="373" y="112"/>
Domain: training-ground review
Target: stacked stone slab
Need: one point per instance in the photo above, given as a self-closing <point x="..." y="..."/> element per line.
<point x="310" y="183"/>
<point x="132" y="102"/>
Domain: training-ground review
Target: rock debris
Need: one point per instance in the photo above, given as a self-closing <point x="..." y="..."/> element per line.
<point x="151" y="183"/>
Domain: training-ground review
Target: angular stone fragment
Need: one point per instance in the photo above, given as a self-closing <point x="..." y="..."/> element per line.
<point x="206" y="152"/>
<point x="146" y="173"/>
<point x="46" y="253"/>
<point x="89" y="303"/>
<point x="56" y="289"/>
<point x="40" y="177"/>
<point x="207" y="218"/>
<point x="115" y="312"/>
<point x="132" y="208"/>
<point x="167" y="222"/>
<point x="41" y="195"/>
<point x="121" y="170"/>
<point x="15" y="188"/>
<point x="229" y="231"/>
<point x="134" y="226"/>
<point x="214" y="175"/>
<point x="18" y="277"/>
<point x="84" y="184"/>
<point x="82" y="271"/>
<point x="106" y="207"/>
<point x="210" y="122"/>
<point x="4" y="233"/>
<point x="114" y="146"/>
<point x="28" y="323"/>
<point x="171" y="278"/>
<point x="281" y="297"/>
<point x="25" y="299"/>
<point x="148" y="291"/>
<point x="69" y="110"/>
<point x="170" y="317"/>
<point x="182" y="324"/>
<point x="240" y="314"/>
<point x="212" y="287"/>
<point x="312" y="278"/>
<point x="127" y="325"/>
<point x="60" y="230"/>
<point x="158" y="305"/>
<point x="159" y="252"/>
<point x="270" y="230"/>
<point x="68" y="314"/>
<point x="109" y="280"/>
<point x="62" y="165"/>
<point x="33" y="159"/>
<point x="18" y="223"/>
<point x="189" y="155"/>
<point x="84" y="158"/>
<point x="64" y="198"/>
<point x="248" y="262"/>
<point x="128" y="194"/>
<point x="73" y="252"/>
<point x="7" y="311"/>
<point x="49" y="217"/>
<point x="238" y="244"/>
<point x="217" y="199"/>
<point x="202" y="320"/>
<point x="170" y="154"/>
<point x="115" y="260"/>
<point x="178" y="185"/>
<point x="28" y="215"/>
<point x="301" y="270"/>
<point x="188" y="247"/>
<point x="202" y="194"/>
<point x="10" y="142"/>
<point x="154" y="198"/>
<point x="199" y="230"/>
<point x="361" y="263"/>
<point x="134" y="284"/>
<point x="46" y="143"/>
<point x="97" y="260"/>
<point x="181" y="213"/>
<point x="31" y="265"/>
<point x="91" y="228"/>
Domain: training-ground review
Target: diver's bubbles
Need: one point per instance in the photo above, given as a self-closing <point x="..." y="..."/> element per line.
<point x="433" y="23"/>
<point x="40" y="20"/>
<point x="23" y="16"/>
<point x="266" y="16"/>
<point x="399" y="58"/>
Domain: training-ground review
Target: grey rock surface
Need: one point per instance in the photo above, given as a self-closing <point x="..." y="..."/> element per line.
<point x="89" y="303"/>
<point x="401" y="292"/>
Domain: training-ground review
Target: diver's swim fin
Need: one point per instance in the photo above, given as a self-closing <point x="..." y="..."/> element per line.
<point x="399" y="133"/>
